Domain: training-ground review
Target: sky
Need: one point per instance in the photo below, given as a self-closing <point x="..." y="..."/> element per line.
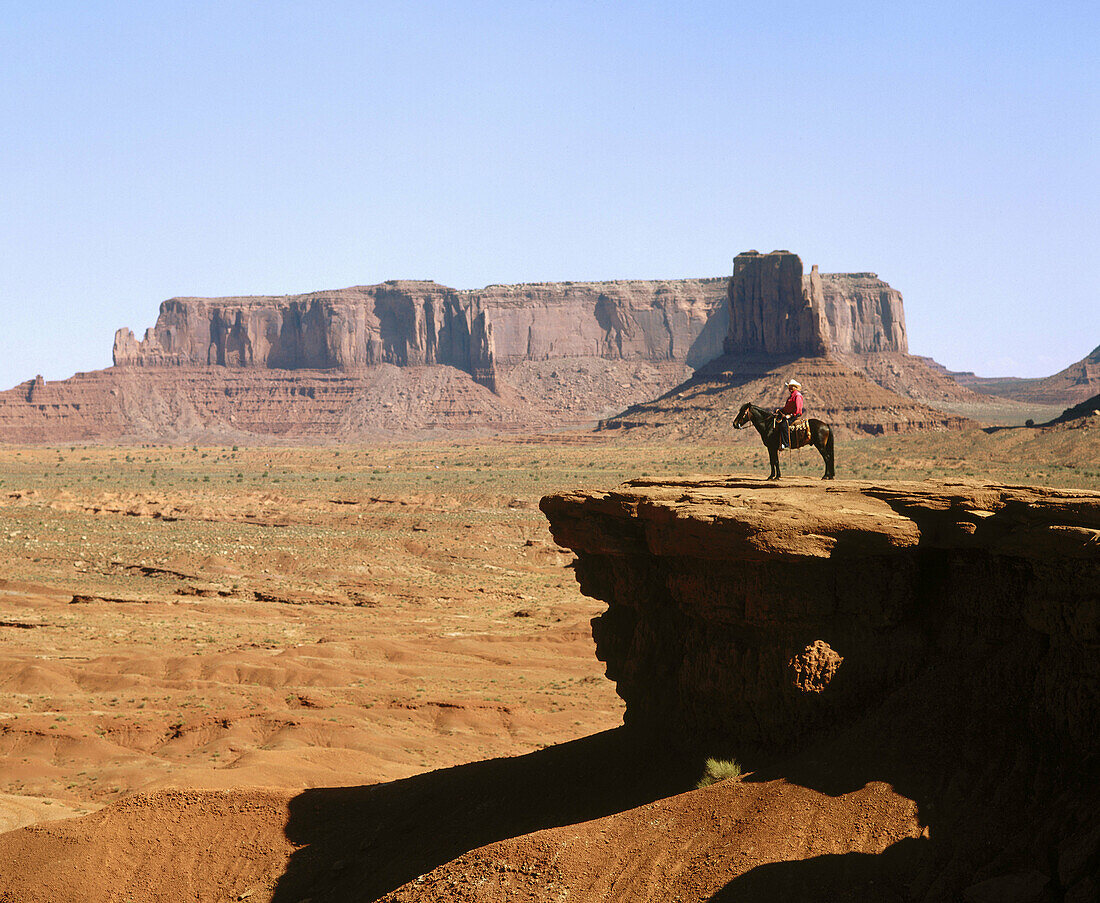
<point x="160" y="149"/>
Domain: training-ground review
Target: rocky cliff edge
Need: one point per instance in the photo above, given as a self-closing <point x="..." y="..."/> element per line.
<point x="941" y="637"/>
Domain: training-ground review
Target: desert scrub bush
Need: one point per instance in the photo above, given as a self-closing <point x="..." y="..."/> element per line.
<point x="718" y="770"/>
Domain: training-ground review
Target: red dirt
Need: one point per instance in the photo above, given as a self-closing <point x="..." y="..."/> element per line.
<point x="339" y="693"/>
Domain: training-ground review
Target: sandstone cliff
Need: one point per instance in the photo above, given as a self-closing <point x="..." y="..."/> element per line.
<point x="778" y="310"/>
<point x="842" y="335"/>
<point x="406" y="323"/>
<point x="864" y="313"/>
<point x="938" y="637"/>
<point x="400" y="323"/>
<point x="403" y="357"/>
<point x="550" y="353"/>
<point x="421" y="323"/>
<point x="771" y="312"/>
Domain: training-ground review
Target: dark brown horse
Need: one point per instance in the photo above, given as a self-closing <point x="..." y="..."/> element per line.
<point x="821" y="437"/>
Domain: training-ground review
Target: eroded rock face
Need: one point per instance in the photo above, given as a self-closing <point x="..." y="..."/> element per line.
<point x="939" y="637"/>
<point x="411" y="323"/>
<point x="400" y="323"/>
<point x="865" y="314"/>
<point x="239" y="404"/>
<point x="771" y="312"/>
<point x="421" y="323"/>
<point x="719" y="591"/>
<point x="777" y="310"/>
<point x="506" y="338"/>
<point x="813" y="669"/>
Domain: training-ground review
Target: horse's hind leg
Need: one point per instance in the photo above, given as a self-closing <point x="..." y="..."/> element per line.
<point x="826" y="449"/>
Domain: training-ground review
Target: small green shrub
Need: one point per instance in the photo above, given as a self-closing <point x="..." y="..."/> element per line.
<point x="719" y="770"/>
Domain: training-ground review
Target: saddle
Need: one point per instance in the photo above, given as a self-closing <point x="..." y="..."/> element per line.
<point x="800" y="432"/>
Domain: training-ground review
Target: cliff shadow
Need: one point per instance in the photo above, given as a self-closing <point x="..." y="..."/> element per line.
<point x="709" y="344"/>
<point x="722" y="375"/>
<point x="358" y="843"/>
<point x="993" y="808"/>
<point x="837" y="878"/>
<point x="957" y="704"/>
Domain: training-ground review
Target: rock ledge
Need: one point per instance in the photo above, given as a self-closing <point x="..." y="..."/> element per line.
<point x="714" y="586"/>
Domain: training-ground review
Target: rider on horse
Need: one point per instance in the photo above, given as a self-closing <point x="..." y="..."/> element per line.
<point x="792" y="410"/>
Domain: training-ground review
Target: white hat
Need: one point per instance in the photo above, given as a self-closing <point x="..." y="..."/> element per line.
<point x="795" y="383"/>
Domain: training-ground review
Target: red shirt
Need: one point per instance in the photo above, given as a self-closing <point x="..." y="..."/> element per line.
<point x="794" y="404"/>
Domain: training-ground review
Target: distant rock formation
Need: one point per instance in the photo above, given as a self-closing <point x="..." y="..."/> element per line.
<point x="223" y="404"/>
<point x="864" y="314"/>
<point x="842" y="334"/>
<point x="771" y="312"/>
<point x="407" y="323"/>
<point x="777" y="310"/>
<point x="549" y="353"/>
<point x="1074" y="384"/>
<point x="400" y="358"/>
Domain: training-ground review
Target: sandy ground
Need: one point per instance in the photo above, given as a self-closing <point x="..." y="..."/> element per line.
<point x="287" y="630"/>
<point x="181" y="620"/>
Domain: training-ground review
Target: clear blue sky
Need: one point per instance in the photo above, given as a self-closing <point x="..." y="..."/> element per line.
<point x="154" y="149"/>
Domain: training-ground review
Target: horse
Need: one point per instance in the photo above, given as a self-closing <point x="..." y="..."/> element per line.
<point x="821" y="437"/>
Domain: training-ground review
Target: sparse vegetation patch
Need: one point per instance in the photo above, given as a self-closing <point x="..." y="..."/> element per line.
<point x="715" y="770"/>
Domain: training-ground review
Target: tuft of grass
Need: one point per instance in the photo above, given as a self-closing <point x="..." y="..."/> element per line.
<point x="718" y="770"/>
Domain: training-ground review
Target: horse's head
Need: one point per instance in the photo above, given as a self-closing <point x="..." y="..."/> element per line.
<point x="743" y="416"/>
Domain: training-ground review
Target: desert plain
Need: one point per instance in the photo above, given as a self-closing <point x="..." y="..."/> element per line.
<point x="274" y="619"/>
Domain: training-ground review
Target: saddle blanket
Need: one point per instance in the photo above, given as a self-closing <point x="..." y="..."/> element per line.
<point x="800" y="433"/>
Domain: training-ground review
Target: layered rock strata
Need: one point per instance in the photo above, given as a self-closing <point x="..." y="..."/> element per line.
<point x="841" y="334"/>
<point x="403" y="357"/>
<point x="551" y="353"/>
<point x="778" y="310"/>
<point x="705" y="406"/>
<point x="713" y="586"/>
<point x="941" y="637"/>
<point x="771" y="312"/>
<point x="195" y="404"/>
<point x="409" y="323"/>
<point x="864" y="314"/>
<point x="778" y="314"/>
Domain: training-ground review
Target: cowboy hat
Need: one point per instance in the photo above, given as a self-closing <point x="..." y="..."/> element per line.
<point x="795" y="383"/>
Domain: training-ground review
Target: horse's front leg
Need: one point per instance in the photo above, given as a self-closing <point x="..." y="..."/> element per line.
<point x="773" y="458"/>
